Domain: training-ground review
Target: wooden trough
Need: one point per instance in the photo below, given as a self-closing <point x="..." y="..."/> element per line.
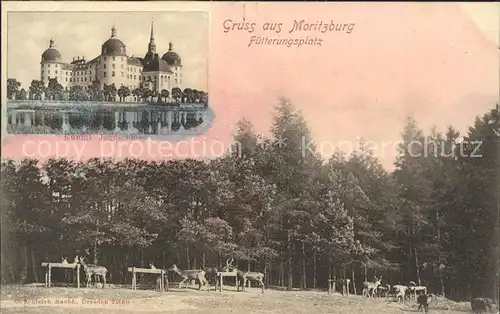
<point x="227" y="274"/>
<point x="48" y="271"/>
<point x="161" y="272"/>
<point x="332" y="285"/>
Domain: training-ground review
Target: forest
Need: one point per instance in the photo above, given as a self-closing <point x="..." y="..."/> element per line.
<point x="297" y="217"/>
<point x="94" y="92"/>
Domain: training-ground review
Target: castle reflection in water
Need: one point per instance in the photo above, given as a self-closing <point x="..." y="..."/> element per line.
<point x="123" y="120"/>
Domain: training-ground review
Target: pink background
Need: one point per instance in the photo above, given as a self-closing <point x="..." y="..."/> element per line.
<point x="428" y="60"/>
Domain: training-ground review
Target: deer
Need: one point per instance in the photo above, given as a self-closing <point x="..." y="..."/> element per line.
<point x="370" y="288"/>
<point x="64" y="261"/>
<point x="244" y="277"/>
<point x="94" y="270"/>
<point x="383" y="290"/>
<point x="212" y="277"/>
<point x="196" y="274"/>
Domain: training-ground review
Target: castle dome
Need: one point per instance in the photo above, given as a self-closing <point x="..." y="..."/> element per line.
<point x="113" y="46"/>
<point x="171" y="57"/>
<point x="51" y="54"/>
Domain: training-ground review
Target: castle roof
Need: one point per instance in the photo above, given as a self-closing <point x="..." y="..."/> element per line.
<point x="51" y="54"/>
<point x="113" y="46"/>
<point x="171" y="57"/>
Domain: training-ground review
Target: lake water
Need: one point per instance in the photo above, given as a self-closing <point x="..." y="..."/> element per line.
<point x="138" y="120"/>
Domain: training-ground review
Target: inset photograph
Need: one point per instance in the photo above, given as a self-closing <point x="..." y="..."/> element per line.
<point x="141" y="74"/>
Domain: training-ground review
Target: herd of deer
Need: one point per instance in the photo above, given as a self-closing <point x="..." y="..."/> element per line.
<point x="203" y="277"/>
<point x="210" y="276"/>
<point x="419" y="294"/>
<point x="402" y="292"/>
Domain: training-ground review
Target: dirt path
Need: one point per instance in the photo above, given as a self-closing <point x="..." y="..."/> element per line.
<point x="71" y="300"/>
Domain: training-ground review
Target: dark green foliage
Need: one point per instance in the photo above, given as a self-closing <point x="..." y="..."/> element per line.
<point x="271" y="205"/>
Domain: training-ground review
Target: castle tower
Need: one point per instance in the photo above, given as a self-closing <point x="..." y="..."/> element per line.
<point x="174" y="61"/>
<point x="113" y="61"/>
<point x="51" y="66"/>
<point x="152" y="45"/>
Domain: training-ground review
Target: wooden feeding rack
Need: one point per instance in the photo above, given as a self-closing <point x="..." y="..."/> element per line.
<point x="227" y="274"/>
<point x="48" y="271"/>
<point x="332" y="286"/>
<point x="161" y="272"/>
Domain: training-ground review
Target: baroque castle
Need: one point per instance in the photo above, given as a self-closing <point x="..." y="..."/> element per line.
<point x="114" y="66"/>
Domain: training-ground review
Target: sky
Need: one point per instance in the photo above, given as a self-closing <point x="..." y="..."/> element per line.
<point x="81" y="34"/>
<point x="436" y="62"/>
<point x="486" y="16"/>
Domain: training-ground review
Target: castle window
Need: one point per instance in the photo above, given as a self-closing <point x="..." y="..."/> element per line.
<point x="113" y="58"/>
<point x="135" y="77"/>
<point x="90" y="72"/>
<point x="71" y="79"/>
<point x="85" y="79"/>
<point x="122" y="74"/>
<point x="66" y="79"/>
<point x="56" y="71"/>
<point x="175" y="81"/>
<point x="122" y="66"/>
<point x="48" y="65"/>
<point x="42" y="72"/>
<point x="104" y="74"/>
<point x="104" y="65"/>
<point x="104" y="58"/>
<point x="113" y="74"/>
<point x="55" y="65"/>
<point x="48" y="71"/>
<point x="113" y="65"/>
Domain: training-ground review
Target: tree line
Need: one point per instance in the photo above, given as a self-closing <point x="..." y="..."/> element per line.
<point x="94" y="92"/>
<point x="272" y="206"/>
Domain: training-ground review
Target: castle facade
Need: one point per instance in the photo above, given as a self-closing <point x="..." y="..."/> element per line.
<point x="114" y="66"/>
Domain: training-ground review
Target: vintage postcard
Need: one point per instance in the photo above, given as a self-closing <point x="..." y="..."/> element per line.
<point x="133" y="84"/>
<point x="233" y="157"/>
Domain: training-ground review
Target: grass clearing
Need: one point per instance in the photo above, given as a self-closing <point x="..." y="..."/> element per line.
<point x="123" y="300"/>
